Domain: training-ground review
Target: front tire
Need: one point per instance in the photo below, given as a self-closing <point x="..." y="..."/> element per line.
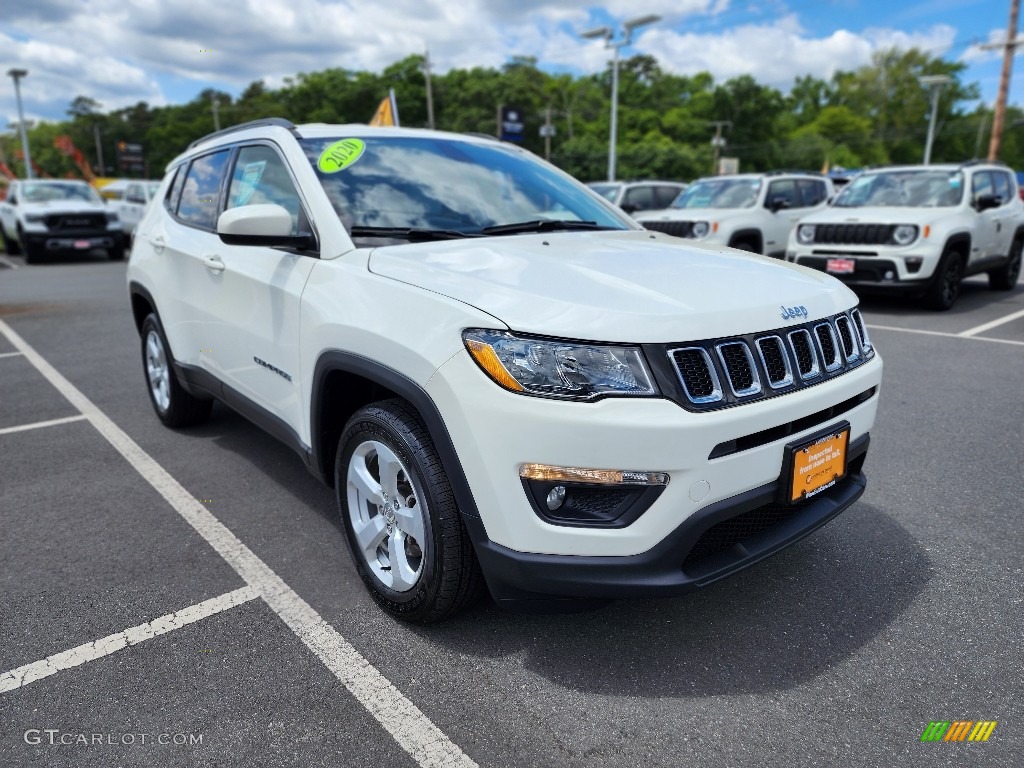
<point x="1005" y="278"/>
<point x="944" y="287"/>
<point x="9" y="243"/>
<point x="401" y="520"/>
<point x="173" y="405"/>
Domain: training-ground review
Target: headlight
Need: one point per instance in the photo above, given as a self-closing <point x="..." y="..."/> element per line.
<point x="700" y="229"/>
<point x="805" y="234"/>
<point x="904" y="234"/>
<point x="565" y="369"/>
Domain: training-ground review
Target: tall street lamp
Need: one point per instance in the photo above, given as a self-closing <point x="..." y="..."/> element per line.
<point x="16" y="75"/>
<point x="934" y="83"/>
<point x="608" y="35"/>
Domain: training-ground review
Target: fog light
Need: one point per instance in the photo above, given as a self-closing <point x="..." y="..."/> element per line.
<point x="556" y="497"/>
<point x="914" y="263"/>
<point x="890" y="275"/>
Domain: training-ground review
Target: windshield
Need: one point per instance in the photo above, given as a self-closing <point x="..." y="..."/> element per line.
<point x="914" y="188"/>
<point x="444" y="184"/>
<point x="608" y="191"/>
<point x="720" y="193"/>
<point x="40" y="193"/>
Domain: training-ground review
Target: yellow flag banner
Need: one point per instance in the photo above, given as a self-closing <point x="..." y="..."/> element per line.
<point x="387" y="112"/>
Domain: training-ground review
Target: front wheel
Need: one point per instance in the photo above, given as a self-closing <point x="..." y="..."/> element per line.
<point x="173" y="405"/>
<point x="401" y="520"/>
<point x="945" y="285"/>
<point x="9" y="243"/>
<point x="1005" y="278"/>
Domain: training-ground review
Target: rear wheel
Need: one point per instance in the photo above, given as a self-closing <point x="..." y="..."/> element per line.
<point x="944" y="288"/>
<point x="173" y="405"/>
<point x="1005" y="278"/>
<point x="402" y="523"/>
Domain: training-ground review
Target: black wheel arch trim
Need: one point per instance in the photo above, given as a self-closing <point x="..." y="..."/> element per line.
<point x="348" y="362"/>
<point x="752" y="236"/>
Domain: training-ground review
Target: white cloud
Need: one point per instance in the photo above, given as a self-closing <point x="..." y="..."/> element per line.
<point x="975" y="53"/>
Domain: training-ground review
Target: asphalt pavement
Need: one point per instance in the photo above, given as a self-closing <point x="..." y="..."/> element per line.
<point x="185" y="598"/>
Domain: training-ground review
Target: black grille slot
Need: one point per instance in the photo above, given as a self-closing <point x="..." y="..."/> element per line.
<point x="728" y="533"/>
<point x="862" y="330"/>
<point x="696" y="374"/>
<point x="846" y="338"/>
<point x="675" y="228"/>
<point x="853" y="234"/>
<point x="774" y="357"/>
<point x="801" y="341"/>
<point x="736" y="358"/>
<point x="827" y="344"/>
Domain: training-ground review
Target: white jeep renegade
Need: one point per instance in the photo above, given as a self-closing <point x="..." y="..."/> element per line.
<point x="919" y="230"/>
<point x="506" y="381"/>
<point x="750" y="211"/>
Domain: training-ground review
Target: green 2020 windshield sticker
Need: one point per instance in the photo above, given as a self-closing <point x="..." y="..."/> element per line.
<point x="340" y="155"/>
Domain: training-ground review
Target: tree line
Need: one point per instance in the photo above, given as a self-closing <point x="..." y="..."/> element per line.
<point x="875" y="114"/>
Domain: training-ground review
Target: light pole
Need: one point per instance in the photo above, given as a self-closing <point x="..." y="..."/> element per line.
<point x="935" y="83"/>
<point x="16" y="75"/>
<point x="608" y="34"/>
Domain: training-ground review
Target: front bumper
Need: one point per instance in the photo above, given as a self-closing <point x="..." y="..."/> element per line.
<point x="75" y="241"/>
<point x="709" y="545"/>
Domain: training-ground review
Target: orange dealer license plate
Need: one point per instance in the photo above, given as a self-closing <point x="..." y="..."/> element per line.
<point x="819" y="464"/>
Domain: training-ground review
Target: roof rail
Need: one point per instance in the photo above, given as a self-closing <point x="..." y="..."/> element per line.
<point x="792" y="172"/>
<point x="977" y="161"/>
<point x="278" y="121"/>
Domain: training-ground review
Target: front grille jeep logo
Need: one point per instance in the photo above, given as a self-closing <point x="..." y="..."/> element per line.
<point x="788" y="313"/>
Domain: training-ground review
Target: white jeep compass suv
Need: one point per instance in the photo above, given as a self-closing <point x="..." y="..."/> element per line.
<point x="919" y="230"/>
<point x="506" y="381"/>
<point x="750" y="211"/>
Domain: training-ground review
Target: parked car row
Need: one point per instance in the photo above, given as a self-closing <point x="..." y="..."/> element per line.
<point x="917" y="230"/>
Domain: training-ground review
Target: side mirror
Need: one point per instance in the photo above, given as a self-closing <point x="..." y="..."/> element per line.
<point x="984" y="202"/>
<point x="630" y="208"/>
<point x="267" y="225"/>
<point x="778" y="203"/>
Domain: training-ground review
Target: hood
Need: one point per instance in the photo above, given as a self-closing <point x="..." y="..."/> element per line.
<point x="884" y="214"/>
<point x="632" y="286"/>
<point x="694" y="214"/>
<point x="62" y="206"/>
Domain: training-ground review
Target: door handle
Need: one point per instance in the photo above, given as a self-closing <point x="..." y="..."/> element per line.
<point x="213" y="262"/>
<point x="158" y="243"/>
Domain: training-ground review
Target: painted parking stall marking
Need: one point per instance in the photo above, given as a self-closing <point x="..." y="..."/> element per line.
<point x="41" y="424"/>
<point x="992" y="324"/>
<point x="406" y="723"/>
<point x="942" y="333"/>
<point x="97" y="649"/>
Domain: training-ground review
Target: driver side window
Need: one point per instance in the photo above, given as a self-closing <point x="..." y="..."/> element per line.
<point x="261" y="177"/>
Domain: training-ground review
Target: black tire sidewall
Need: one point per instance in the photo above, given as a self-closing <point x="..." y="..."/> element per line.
<point x="371" y="423"/>
<point x="936" y="296"/>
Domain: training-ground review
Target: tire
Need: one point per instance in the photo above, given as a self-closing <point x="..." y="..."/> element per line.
<point x="944" y="287"/>
<point x="173" y="405"/>
<point x="405" y="534"/>
<point x="1005" y="278"/>
<point x="10" y="244"/>
<point x="744" y="245"/>
<point x="32" y="252"/>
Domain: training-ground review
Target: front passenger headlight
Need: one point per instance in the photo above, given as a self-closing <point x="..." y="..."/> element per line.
<point x="805" y="234"/>
<point x="562" y="369"/>
<point x="904" y="234"/>
<point x="700" y="229"/>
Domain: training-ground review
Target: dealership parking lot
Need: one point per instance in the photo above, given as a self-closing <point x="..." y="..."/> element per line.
<point x="185" y="598"/>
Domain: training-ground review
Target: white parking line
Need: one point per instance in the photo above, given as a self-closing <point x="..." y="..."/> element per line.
<point x="4" y="261"/>
<point x="940" y="333"/>
<point x="412" y="729"/>
<point x="10" y="354"/>
<point x="41" y="424"/>
<point x="97" y="649"/>
<point x="992" y="324"/>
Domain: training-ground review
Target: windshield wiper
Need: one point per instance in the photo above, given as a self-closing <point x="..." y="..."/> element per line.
<point x="411" y="234"/>
<point x="541" y="225"/>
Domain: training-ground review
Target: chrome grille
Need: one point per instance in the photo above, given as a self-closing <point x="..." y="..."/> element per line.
<point x="827" y="346"/>
<point x="739" y="368"/>
<point x="776" y="363"/>
<point x="718" y="373"/>
<point x="803" y="349"/>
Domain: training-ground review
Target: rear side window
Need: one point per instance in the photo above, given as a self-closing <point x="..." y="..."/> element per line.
<point x="174" y="191"/>
<point x="200" y="195"/>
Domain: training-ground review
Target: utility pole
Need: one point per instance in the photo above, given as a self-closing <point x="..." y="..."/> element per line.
<point x="1009" y="47"/>
<point x="215" y="104"/>
<point x="16" y="75"/>
<point x="99" y="149"/>
<point x="717" y="142"/>
<point x="430" y="90"/>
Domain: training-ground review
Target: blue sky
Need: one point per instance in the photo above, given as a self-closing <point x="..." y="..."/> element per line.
<point x="124" y="51"/>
